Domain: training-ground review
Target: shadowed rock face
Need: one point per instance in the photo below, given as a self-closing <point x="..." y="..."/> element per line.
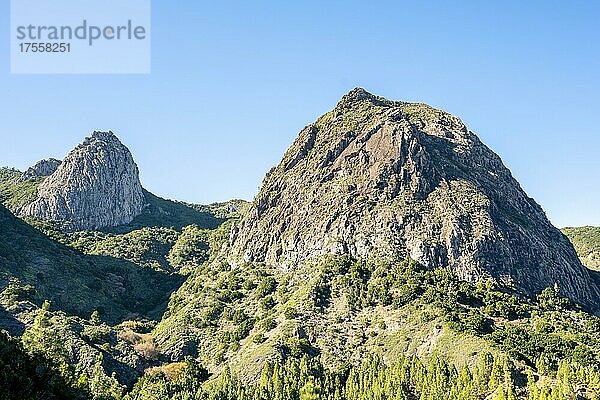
<point x="97" y="185"/>
<point x="40" y="169"/>
<point x="386" y="179"/>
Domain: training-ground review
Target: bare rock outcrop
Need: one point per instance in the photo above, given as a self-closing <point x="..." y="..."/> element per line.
<point x="40" y="169"/>
<point x="396" y="180"/>
<point x="97" y="185"/>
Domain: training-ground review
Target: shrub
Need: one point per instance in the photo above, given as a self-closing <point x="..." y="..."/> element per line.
<point x="266" y="287"/>
<point x="290" y="313"/>
<point x="259" y="338"/>
<point x="147" y="350"/>
<point x="267" y="303"/>
<point x="96" y="334"/>
<point x="268" y="323"/>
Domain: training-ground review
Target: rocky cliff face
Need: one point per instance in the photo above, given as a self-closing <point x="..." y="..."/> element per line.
<point x="40" y="169"/>
<point x="387" y="179"/>
<point x="97" y="185"/>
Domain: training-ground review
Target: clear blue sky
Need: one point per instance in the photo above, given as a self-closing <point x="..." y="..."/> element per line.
<point x="233" y="82"/>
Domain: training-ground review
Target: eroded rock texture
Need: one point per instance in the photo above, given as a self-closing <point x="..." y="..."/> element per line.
<point x="387" y="179"/>
<point x="97" y="185"/>
<point x="40" y="169"/>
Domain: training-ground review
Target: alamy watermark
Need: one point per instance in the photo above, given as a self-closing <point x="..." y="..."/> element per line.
<point x="80" y="36"/>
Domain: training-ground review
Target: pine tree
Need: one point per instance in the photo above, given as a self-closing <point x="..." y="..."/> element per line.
<point x="500" y="394"/>
<point x="532" y="388"/>
<point x="104" y="387"/>
<point x="95" y="318"/>
<point x="310" y="391"/>
<point x="40" y="339"/>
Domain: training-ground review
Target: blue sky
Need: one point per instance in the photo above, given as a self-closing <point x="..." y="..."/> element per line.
<point x="232" y="83"/>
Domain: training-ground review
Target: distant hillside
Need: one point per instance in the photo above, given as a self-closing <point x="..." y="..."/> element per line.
<point x="175" y="214"/>
<point x="15" y="192"/>
<point x="76" y="282"/>
<point x="586" y="241"/>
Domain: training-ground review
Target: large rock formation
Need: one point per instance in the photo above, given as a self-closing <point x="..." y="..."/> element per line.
<point x="391" y="180"/>
<point x="40" y="169"/>
<point x="97" y="185"/>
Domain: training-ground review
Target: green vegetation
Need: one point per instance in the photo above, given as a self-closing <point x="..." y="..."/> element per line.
<point x="147" y="247"/>
<point x="25" y="376"/>
<point x="248" y="325"/>
<point x="106" y="277"/>
<point x="544" y="348"/>
<point x="87" y="355"/>
<point x="122" y="273"/>
<point x="533" y="332"/>
<point x="586" y="241"/>
<point x="77" y="283"/>
<point x="13" y="193"/>
<point x="191" y="248"/>
<point x="170" y="214"/>
<point x="88" y="308"/>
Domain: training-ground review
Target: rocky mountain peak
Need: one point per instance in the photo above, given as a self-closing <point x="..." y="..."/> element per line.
<point x="40" y="169"/>
<point x="97" y="185"/>
<point x="106" y="136"/>
<point x="383" y="179"/>
<point x="358" y="95"/>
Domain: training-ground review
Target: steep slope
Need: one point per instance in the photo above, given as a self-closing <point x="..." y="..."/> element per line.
<point x="40" y="169"/>
<point x="382" y="179"/>
<point x="27" y="377"/>
<point x="75" y="282"/>
<point x="15" y="191"/>
<point x="586" y="240"/>
<point x="97" y="185"/>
